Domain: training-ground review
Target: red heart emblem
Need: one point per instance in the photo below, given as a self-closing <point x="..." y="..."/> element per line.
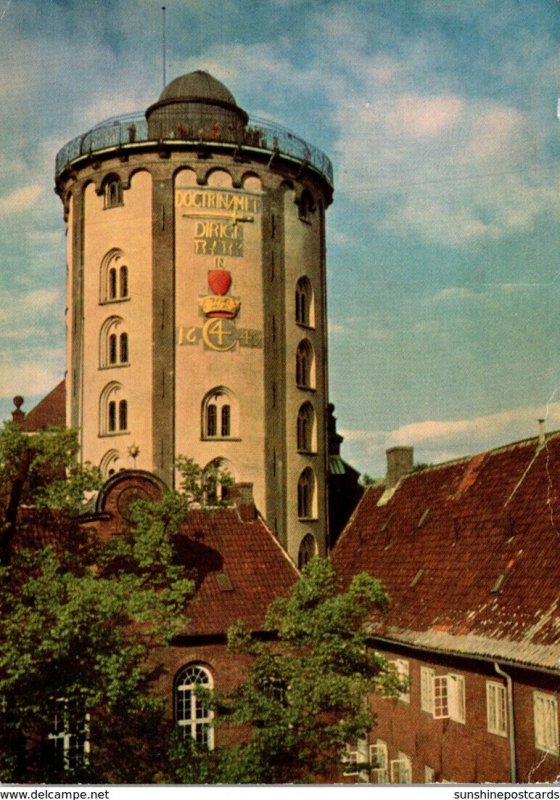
<point x="219" y="280"/>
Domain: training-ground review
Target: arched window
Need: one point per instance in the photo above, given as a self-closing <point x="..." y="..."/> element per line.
<point x="306" y="494"/>
<point x="113" y="343"/>
<point x="114" y="277"/>
<point x="215" y="492"/>
<point x="305" y="312"/>
<point x="304" y="365"/>
<point x="112" y="192"/>
<point x="307" y="550"/>
<point x="219" y="414"/>
<point x="113" y="410"/>
<point x="110" y="463"/>
<point x="192" y="714"/>
<point x="306" y="429"/>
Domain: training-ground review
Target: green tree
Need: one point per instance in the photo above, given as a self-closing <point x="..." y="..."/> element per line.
<point x="305" y="695"/>
<point x="82" y="619"/>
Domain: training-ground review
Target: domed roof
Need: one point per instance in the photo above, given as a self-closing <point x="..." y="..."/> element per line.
<point x="199" y="85"/>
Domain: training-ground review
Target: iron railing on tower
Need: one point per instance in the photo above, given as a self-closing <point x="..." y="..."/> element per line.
<point x="132" y="128"/>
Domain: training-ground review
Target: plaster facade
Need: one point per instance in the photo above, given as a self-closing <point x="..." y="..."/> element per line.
<point x="197" y="303"/>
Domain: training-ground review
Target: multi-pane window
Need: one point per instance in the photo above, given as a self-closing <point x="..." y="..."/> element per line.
<point x="427" y="689"/>
<point x="449" y="697"/>
<point x="545" y="716"/>
<point x="304" y="302"/>
<point x="496" y="708"/>
<point x="306" y="494"/>
<point x="401" y="769"/>
<point x="304" y="364"/>
<point x="355" y="760"/>
<point x="379" y="762"/>
<point x="402" y="668"/>
<point x="68" y="739"/>
<point x="192" y="713"/>
<point x="305" y="428"/>
<point x="217" y="414"/>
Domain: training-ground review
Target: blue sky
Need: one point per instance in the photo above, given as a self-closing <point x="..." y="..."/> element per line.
<point x="443" y="243"/>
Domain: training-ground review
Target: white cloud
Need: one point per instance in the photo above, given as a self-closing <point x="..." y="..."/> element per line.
<point x="425" y="116"/>
<point x="21" y="199"/>
<point x="28" y="379"/>
<point x="455" y="293"/>
<point x="436" y="441"/>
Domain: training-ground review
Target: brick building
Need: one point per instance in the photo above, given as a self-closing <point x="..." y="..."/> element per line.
<point x="236" y="562"/>
<point x="469" y="554"/>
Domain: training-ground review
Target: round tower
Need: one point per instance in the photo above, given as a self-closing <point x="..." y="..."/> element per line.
<point x="196" y="307"/>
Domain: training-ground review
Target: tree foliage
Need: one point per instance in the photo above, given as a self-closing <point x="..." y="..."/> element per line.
<point x="79" y="618"/>
<point x="305" y="695"/>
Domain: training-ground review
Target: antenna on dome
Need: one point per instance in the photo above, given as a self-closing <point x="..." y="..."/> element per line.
<point x="163" y="42"/>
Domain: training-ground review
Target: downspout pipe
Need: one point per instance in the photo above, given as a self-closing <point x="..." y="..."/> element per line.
<point x="509" y="689"/>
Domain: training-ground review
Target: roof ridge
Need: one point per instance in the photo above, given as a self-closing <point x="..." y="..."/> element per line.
<point x="492" y="451"/>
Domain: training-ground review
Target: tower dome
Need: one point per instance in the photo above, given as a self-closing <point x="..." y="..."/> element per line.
<point x="198" y="85"/>
<point x="196" y="106"/>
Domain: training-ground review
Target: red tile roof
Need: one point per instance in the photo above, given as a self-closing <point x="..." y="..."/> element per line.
<point x="240" y="568"/>
<point x="51" y="410"/>
<point x="479" y="574"/>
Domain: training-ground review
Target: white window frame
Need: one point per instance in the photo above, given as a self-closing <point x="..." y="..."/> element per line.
<point x="378" y="755"/>
<point x="449" y="697"/>
<point x="429" y="774"/>
<point x="70" y="733"/>
<point x="355" y="760"/>
<point x="402" y="668"/>
<point x="349" y="761"/>
<point x="427" y="675"/>
<point x="401" y="769"/>
<point x="496" y="709"/>
<point x="197" y="719"/>
<point x="545" y="719"/>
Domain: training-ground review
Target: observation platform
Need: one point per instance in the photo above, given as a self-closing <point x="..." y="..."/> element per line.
<point x="130" y="132"/>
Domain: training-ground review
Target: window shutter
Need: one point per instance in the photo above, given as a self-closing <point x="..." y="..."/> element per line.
<point x="456" y="697"/>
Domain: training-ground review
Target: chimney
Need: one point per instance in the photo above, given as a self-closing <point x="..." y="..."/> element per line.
<point x="17" y="414"/>
<point x="241" y="496"/>
<point x="399" y="462"/>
